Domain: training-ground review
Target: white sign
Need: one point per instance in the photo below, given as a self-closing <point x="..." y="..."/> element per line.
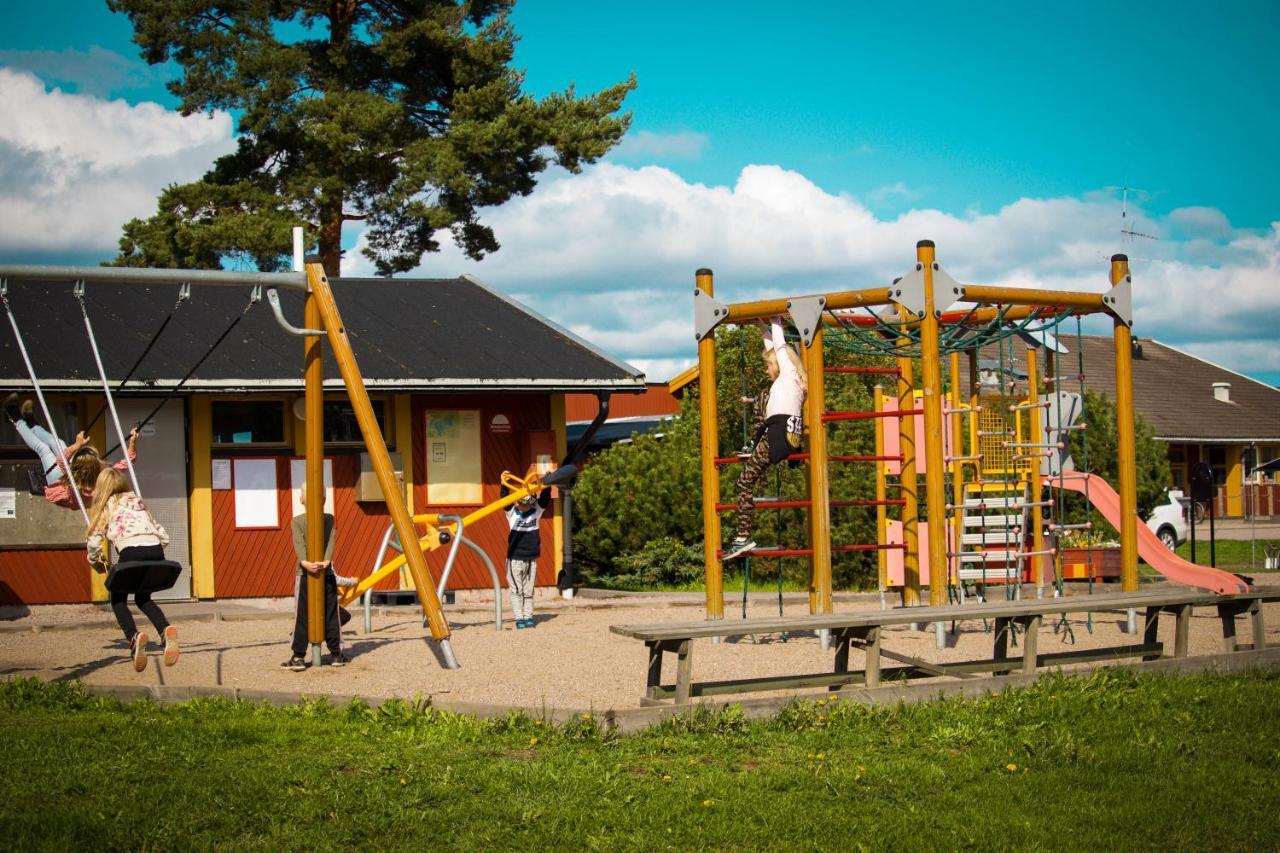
<point x="257" y="501"/>
<point x="8" y="503"/>
<point x="222" y="473"/>
<point x="149" y="428"/>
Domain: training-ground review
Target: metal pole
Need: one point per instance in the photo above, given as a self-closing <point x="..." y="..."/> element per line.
<point x="314" y="506"/>
<point x="957" y="469"/>
<point x="106" y="388"/>
<point x="1035" y="481"/>
<point x="819" y="487"/>
<point x="377" y="448"/>
<point x="882" y="516"/>
<point x="936" y="475"/>
<point x="907" y="474"/>
<point x="1126" y="457"/>
<point x="710" y="477"/>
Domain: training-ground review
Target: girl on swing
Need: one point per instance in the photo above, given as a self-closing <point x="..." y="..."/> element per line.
<point x="81" y="458"/>
<point x="778" y="428"/>
<point x="119" y="517"/>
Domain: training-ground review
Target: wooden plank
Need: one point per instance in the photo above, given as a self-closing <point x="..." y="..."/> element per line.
<point x="1182" y="631"/>
<point x="916" y="663"/>
<point x="1227" y="615"/>
<point x="1030" y="643"/>
<point x="1259" y="628"/>
<point x="873" y="650"/>
<point x="841" y="639"/>
<point x="901" y="615"/>
<point x="834" y="681"/>
<point x="1151" y="630"/>
<point x="1000" y="650"/>
<point x="654" y="676"/>
<point x="684" y="672"/>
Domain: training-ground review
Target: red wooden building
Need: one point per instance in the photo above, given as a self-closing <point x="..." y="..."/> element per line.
<point x="465" y="381"/>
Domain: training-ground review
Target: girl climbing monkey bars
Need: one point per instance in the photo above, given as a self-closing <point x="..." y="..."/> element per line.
<point x="914" y="318"/>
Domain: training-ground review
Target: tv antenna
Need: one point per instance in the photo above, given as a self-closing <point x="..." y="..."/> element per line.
<point x="1124" y="213"/>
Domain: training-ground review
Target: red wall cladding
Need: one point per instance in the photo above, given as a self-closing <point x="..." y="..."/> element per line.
<point x="44" y="577"/>
<point x="499" y="452"/>
<point x="258" y="563"/>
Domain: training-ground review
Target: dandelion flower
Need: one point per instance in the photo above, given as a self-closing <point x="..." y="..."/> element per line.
<point x="1011" y="767"/>
<point x="533" y="741"/>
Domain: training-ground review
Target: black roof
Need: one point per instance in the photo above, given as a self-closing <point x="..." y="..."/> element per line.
<point x="408" y="334"/>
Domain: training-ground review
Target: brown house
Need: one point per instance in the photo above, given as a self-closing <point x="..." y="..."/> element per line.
<point x="465" y="382"/>
<point x="1203" y="412"/>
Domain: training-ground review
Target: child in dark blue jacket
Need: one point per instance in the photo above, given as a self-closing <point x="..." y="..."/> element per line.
<point x="524" y="544"/>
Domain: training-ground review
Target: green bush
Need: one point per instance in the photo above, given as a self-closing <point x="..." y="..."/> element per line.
<point x="664" y="562"/>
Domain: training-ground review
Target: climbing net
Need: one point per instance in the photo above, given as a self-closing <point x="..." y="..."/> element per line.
<point x="869" y="333"/>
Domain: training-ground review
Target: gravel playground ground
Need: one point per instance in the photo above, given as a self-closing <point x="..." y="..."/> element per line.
<point x="569" y="661"/>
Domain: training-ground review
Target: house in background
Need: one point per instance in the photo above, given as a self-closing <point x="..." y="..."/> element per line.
<point x="465" y="383"/>
<point x="1201" y="411"/>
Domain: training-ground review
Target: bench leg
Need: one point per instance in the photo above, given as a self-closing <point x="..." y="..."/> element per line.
<point x="1182" y="631"/>
<point x="1259" y="629"/>
<point x="841" y="639"/>
<point x="1000" y="650"/>
<point x="653" y="681"/>
<point x="1151" y="630"/>
<point x="1227" y="615"/>
<point x="873" y="657"/>
<point x="1030" y="644"/>
<point x="684" y="671"/>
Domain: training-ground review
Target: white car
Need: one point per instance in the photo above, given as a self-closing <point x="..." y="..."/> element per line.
<point x="1168" y="520"/>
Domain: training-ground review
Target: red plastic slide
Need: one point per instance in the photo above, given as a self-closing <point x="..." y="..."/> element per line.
<point x="1160" y="558"/>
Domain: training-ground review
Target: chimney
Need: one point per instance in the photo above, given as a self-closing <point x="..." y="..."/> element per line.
<point x="1222" y="392"/>
<point x="1136" y="348"/>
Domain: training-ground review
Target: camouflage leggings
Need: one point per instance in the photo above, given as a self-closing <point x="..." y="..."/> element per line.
<point x="752" y="470"/>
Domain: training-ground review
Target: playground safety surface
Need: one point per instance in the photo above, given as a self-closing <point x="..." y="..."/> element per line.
<point x="569" y="661"/>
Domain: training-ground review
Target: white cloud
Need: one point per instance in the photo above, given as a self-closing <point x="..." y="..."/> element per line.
<point x="648" y="145"/>
<point x="897" y="191"/>
<point x="611" y="253"/>
<point x="78" y="167"/>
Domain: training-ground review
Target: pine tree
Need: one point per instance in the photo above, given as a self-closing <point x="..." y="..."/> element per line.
<point x="403" y="114"/>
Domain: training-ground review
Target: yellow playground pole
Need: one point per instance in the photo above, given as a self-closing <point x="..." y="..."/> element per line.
<point x="314" y="433"/>
<point x="907" y="477"/>
<point x="1034" y="479"/>
<point x="377" y="448"/>
<point x="882" y="515"/>
<point x="957" y="466"/>
<point x="1126" y="455"/>
<point x="819" y="492"/>
<point x="935" y="479"/>
<point x="710" y="476"/>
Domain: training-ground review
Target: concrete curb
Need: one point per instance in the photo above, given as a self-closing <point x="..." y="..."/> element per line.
<point x="630" y="720"/>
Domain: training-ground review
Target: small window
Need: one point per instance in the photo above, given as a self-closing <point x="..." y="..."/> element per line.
<point x="248" y="422"/>
<point x="66" y="416"/>
<point x="341" y="426"/>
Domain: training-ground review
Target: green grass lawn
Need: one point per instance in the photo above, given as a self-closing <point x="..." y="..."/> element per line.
<point x="1112" y="761"/>
<point x="1232" y="554"/>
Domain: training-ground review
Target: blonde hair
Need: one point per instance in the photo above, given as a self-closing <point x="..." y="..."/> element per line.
<point x="110" y="483"/>
<point x="771" y="360"/>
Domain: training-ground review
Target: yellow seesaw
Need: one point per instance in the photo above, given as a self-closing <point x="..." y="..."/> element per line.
<point x="438" y="533"/>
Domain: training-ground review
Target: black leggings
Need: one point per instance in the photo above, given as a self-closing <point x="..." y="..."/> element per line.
<point x="120" y="600"/>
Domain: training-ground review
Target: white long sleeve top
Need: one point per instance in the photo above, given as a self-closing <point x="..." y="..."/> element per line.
<point x="786" y="394"/>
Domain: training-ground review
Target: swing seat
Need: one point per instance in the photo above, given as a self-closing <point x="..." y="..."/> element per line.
<point x="143" y="576"/>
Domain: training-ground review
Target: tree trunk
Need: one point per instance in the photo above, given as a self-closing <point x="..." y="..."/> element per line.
<point x="331" y="244"/>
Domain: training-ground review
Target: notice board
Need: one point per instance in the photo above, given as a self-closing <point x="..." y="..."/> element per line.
<point x="453" y="457"/>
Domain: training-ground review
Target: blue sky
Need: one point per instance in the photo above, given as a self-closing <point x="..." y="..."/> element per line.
<point x="791" y="151"/>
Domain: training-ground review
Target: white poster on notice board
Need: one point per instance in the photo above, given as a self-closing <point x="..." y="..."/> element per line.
<point x="298" y="476"/>
<point x="256" y="496"/>
<point x="221" y="473"/>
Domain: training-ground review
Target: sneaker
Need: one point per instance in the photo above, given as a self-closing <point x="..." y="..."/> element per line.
<point x="338" y="660"/>
<point x="739" y="546"/>
<point x="295" y="663"/>
<point x="138" y="650"/>
<point x="522" y="623"/>
<point x="28" y="411"/>
<point x="529" y="623"/>
<point x="11" y="410"/>
<point x="171" y="650"/>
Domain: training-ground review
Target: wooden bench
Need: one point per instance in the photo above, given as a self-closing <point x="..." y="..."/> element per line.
<point x="863" y="629"/>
